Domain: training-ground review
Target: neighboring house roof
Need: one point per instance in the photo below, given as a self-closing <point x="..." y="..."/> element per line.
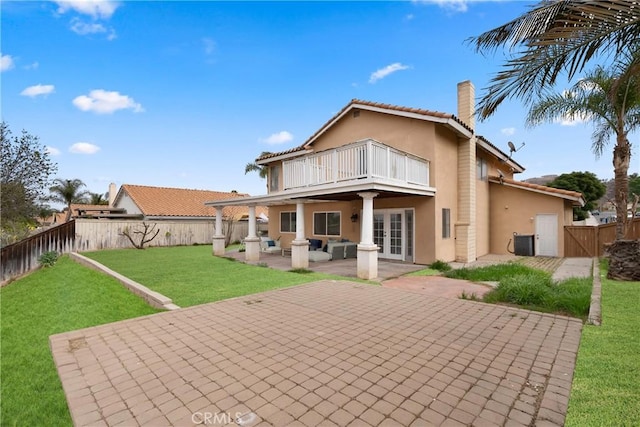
<point x="182" y="202"/>
<point x="574" y="196"/>
<point x="417" y="113"/>
<point x="76" y="208"/>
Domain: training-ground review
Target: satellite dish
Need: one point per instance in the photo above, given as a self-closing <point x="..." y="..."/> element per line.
<point x="511" y="146"/>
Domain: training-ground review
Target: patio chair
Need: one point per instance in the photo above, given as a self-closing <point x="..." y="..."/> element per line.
<point x="270" y="246"/>
<point x="351" y="251"/>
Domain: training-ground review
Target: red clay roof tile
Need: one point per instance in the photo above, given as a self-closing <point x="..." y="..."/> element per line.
<point x="183" y="202"/>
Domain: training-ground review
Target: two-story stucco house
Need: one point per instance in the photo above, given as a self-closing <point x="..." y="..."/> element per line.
<point x="406" y="184"/>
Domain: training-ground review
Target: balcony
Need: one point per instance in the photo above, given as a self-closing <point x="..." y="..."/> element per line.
<point x="361" y="160"/>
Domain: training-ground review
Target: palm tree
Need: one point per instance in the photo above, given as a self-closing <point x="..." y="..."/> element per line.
<point x="67" y="191"/>
<point x="555" y="37"/>
<point x="262" y="170"/>
<point x="611" y="100"/>
<point x="98" y="199"/>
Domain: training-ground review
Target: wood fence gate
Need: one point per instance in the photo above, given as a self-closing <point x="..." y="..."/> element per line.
<point x="589" y="241"/>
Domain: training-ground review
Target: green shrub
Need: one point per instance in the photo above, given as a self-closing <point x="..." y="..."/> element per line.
<point x="48" y="259"/>
<point x="440" y="266"/>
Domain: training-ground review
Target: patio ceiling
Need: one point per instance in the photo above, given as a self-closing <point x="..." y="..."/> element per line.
<point x="342" y="191"/>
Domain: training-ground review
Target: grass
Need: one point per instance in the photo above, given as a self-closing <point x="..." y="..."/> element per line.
<point x="531" y="289"/>
<point x="190" y="275"/>
<point x="491" y="273"/>
<point x="56" y="299"/>
<point x="606" y="384"/>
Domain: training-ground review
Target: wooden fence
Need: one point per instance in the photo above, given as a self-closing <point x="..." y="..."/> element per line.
<point x="22" y="257"/>
<point x="589" y="241"/>
<point x="97" y="234"/>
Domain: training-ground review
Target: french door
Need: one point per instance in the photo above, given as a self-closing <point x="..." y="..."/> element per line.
<point x="393" y="233"/>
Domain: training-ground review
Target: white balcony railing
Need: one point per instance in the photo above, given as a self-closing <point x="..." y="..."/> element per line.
<point x="366" y="159"/>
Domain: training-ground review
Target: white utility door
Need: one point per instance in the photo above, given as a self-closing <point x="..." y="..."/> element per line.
<point x="388" y="226"/>
<point x="546" y="235"/>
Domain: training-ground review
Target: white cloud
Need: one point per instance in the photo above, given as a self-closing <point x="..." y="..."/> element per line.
<point x="97" y="9"/>
<point x="84" y="28"/>
<point x="409" y="17"/>
<point x="37" y="90"/>
<point x="52" y="150"/>
<point x="573" y="119"/>
<point x="6" y="62"/>
<point x="209" y="45"/>
<point x="84" y="148"/>
<point x="278" y="138"/>
<point x="384" y="72"/>
<point x="508" y="131"/>
<point x="453" y="5"/>
<point x="33" y="66"/>
<point x="105" y="102"/>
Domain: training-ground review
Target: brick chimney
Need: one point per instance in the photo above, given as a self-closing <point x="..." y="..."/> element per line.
<point x="465" y="227"/>
<point x="466" y="104"/>
<point x="112" y="194"/>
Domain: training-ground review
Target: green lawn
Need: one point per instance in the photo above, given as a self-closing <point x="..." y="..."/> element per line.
<point x="49" y="301"/>
<point x="190" y="275"/>
<point x="606" y="385"/>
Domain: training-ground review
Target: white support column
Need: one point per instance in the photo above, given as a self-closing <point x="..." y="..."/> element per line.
<point x="252" y="241"/>
<point x="300" y="245"/>
<point x="367" y="250"/>
<point x="218" y="235"/>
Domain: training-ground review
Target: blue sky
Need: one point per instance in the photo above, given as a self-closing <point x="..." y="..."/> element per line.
<point x="184" y="94"/>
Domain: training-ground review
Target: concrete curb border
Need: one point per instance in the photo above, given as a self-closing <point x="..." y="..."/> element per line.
<point x="154" y="299"/>
<point x="595" y="314"/>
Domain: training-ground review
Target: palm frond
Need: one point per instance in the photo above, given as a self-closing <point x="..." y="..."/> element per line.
<point x="555" y="37"/>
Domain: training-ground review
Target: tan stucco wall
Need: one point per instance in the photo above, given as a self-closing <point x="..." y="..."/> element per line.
<point x="482" y="204"/>
<point x="514" y="210"/>
<point x="446" y="182"/>
<point x="424" y="222"/>
<point x="410" y="135"/>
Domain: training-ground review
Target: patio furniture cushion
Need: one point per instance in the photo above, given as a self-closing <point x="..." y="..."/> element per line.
<point x="337" y="252"/>
<point x="315" y="244"/>
<point x="351" y="251"/>
<point x="273" y="248"/>
<point x="319" y="256"/>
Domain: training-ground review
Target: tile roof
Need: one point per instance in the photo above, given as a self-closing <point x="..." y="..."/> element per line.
<point x="574" y="195"/>
<point x="486" y="141"/>
<point x="183" y="202"/>
<point x="356" y="103"/>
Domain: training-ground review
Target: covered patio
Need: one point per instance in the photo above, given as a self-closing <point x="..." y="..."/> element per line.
<point x="340" y="267"/>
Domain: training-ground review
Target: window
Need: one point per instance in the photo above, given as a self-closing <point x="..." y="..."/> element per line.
<point x="481" y="166"/>
<point x="326" y="223"/>
<point x="274" y="178"/>
<point x="287" y="222"/>
<point x="446" y="223"/>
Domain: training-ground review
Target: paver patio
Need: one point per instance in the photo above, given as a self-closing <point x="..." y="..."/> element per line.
<point x="325" y="353"/>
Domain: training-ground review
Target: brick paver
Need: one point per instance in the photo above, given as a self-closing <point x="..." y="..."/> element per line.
<point x="326" y="353"/>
